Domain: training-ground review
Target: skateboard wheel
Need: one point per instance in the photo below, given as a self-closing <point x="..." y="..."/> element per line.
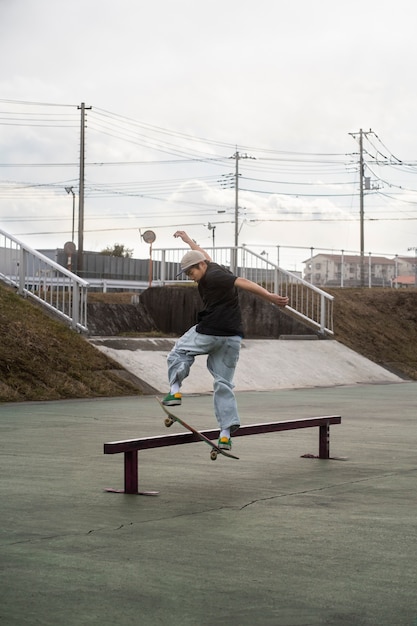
<point x="168" y="422"/>
<point x="213" y="455"/>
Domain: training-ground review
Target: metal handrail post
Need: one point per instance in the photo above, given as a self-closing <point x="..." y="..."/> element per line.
<point x="75" y="314"/>
<point x="322" y="314"/>
<point x="22" y="271"/>
<point x="276" y="278"/>
<point x="163" y="267"/>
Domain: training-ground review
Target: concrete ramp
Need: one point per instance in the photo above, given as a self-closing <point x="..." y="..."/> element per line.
<point x="264" y="365"/>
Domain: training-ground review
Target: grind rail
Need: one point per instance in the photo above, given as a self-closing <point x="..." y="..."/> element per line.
<point x="131" y="447"/>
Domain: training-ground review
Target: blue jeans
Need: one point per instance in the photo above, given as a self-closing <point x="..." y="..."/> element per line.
<point x="223" y="355"/>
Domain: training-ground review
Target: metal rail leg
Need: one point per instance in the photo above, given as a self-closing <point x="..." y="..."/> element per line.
<point x="324" y="441"/>
<point x="131" y="471"/>
<point x="131" y="474"/>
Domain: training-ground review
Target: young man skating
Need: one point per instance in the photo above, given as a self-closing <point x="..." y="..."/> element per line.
<point x="218" y="333"/>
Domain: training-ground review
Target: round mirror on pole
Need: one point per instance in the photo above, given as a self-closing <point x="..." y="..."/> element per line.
<point x="149" y="237"/>
<point x="69" y="249"/>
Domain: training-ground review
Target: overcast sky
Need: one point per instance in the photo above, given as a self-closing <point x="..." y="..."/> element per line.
<point x="176" y="88"/>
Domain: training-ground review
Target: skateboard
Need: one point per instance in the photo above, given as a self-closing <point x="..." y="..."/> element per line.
<point x="215" y="450"/>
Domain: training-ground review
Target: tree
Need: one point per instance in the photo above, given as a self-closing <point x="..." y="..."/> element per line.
<point x="119" y="250"/>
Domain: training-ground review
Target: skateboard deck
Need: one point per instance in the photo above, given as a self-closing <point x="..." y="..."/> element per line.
<point x="215" y="450"/>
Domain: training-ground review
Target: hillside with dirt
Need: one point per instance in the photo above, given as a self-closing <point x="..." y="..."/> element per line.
<point x="42" y="359"/>
<point x="380" y="324"/>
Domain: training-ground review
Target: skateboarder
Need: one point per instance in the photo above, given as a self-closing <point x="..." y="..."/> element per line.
<point x="218" y="334"/>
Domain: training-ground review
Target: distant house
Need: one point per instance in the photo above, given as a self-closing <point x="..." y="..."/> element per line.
<point x="335" y="270"/>
<point x="404" y="281"/>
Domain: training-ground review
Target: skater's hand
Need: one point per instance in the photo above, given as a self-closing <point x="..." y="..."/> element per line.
<point x="191" y="242"/>
<point x="183" y="235"/>
<point x="279" y="300"/>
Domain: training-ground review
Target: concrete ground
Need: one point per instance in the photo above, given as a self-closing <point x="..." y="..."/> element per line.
<point x="272" y="539"/>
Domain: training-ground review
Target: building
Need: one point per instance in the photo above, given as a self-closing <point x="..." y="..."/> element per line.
<point x="407" y="267"/>
<point x="343" y="270"/>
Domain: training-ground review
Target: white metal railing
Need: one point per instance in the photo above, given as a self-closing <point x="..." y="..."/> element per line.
<point x="306" y="302"/>
<point x="37" y="276"/>
<point x="47" y="282"/>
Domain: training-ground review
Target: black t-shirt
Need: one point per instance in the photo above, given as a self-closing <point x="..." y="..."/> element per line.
<point x="221" y="314"/>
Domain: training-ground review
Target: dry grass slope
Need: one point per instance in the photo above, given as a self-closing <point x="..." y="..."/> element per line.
<point x="380" y="324"/>
<point x="41" y="359"/>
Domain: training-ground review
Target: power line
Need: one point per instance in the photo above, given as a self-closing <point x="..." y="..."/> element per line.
<point x="271" y="174"/>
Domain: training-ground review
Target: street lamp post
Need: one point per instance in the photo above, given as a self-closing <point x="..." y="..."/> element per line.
<point x="71" y="190"/>
<point x="213" y="234"/>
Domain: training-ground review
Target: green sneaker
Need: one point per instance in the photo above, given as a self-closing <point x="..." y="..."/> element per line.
<point x="225" y="443"/>
<point x="172" y="399"/>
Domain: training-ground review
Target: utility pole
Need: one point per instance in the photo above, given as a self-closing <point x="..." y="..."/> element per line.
<point x="415" y="264"/>
<point x="361" y="208"/>
<point x="237" y="158"/>
<point x="80" y="254"/>
<point x="361" y="201"/>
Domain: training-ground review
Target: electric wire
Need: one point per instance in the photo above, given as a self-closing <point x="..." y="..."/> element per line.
<point x="265" y="164"/>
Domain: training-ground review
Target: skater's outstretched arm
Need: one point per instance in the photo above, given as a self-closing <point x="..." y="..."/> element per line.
<point x="190" y="242"/>
<point x="248" y="285"/>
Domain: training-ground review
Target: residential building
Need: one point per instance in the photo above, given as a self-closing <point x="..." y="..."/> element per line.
<point x="344" y="270"/>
